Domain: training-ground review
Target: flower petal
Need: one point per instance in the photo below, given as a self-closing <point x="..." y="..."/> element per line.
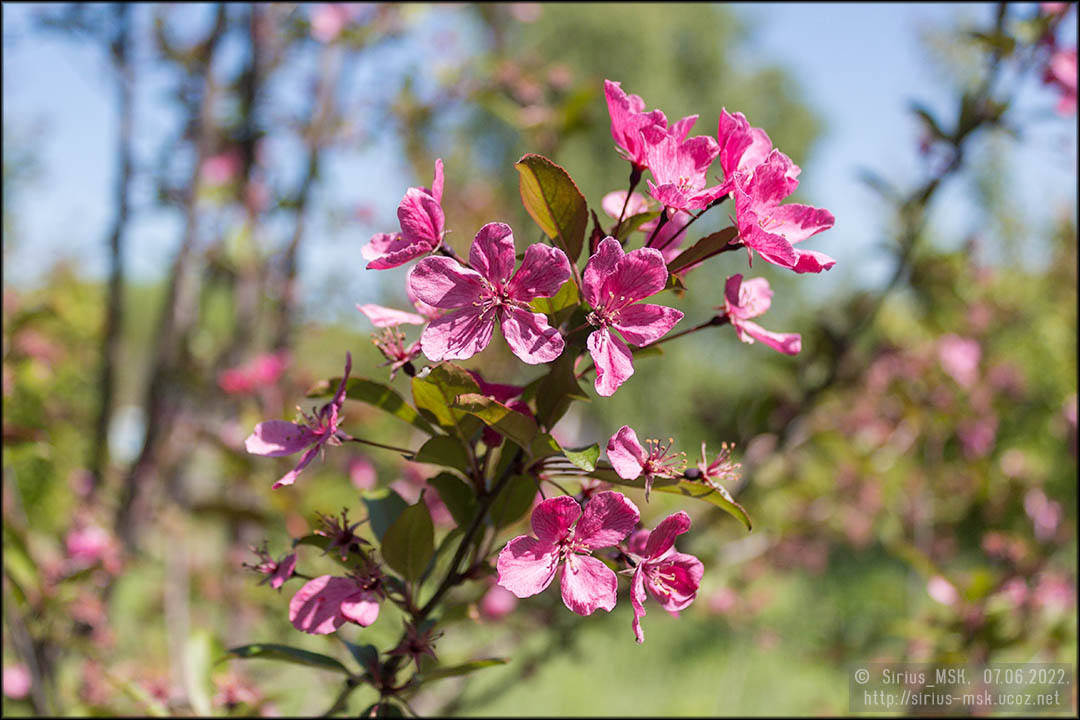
<point x="398" y="253"/>
<point x="552" y="518"/>
<point x="527" y="566"/>
<point x="314" y="607"/>
<point x="797" y="222"/>
<point x="444" y="283"/>
<point x="437" y="182"/>
<point x="637" y="275"/>
<point x="637" y="601"/>
<point x="492" y="252"/>
<point x="787" y="343"/>
<point x="608" y="518"/>
<point x="682" y="575"/>
<point x="811" y="261"/>
<point x="530" y="337"/>
<point x="662" y="538"/>
<point x="543" y="271"/>
<point x="601" y="264"/>
<point x="378" y="245"/>
<point x="382" y="317"/>
<point x="361" y="608"/>
<point x="284" y="571"/>
<point x="339" y="397"/>
<point x="613" y="360"/>
<point x="290" y="477"/>
<point x="625" y="453"/>
<point x="458" y="335"/>
<point x="421" y="218"/>
<point x="612" y="204"/>
<point x="277" y="438"/>
<point x="588" y="584"/>
<point x="642" y="324"/>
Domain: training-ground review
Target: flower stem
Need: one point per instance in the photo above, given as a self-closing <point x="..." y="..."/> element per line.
<point x="635" y="178"/>
<point x="403" y="451"/>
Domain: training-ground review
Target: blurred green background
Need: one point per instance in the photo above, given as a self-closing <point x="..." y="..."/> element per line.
<point x="911" y="474"/>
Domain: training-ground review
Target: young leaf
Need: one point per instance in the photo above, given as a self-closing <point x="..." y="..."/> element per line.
<point x="434" y="395"/>
<point x="634" y="222"/>
<point x="377" y="394"/>
<point x="366" y="655"/>
<point x="553" y="200"/>
<point x="703" y="249"/>
<point x="383" y="506"/>
<point x="519" y="427"/>
<point x="584" y="458"/>
<point x="557" y="390"/>
<point x="274" y="651"/>
<point x="409" y="544"/>
<point x="566" y="298"/>
<point x="514" y="501"/>
<point x="444" y="450"/>
<point x="463" y="669"/>
<point x="459" y="498"/>
<point x="713" y="494"/>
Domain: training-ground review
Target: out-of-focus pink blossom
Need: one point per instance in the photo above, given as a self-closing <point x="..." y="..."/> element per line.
<point x="668" y="239"/>
<point x="722" y="601"/>
<point x="745" y="300"/>
<point x="672" y="578"/>
<point x="497" y="602"/>
<point x="977" y="436"/>
<point x="1045" y="513"/>
<point x="277" y="438"/>
<point x="527" y="565"/>
<point x="959" y="357"/>
<point x="1016" y="591"/>
<point x="222" y="169"/>
<point x="90" y="544"/>
<point x="1054" y="8"/>
<point x="362" y="473"/>
<point x="613" y="283"/>
<point x="525" y="12"/>
<point x="942" y="591"/>
<point x="17" y="681"/>
<point x="329" y="19"/>
<point x="233" y="690"/>
<point x="491" y="290"/>
<point x="261" y="371"/>
<point x="1061" y="73"/>
<point x="1054" y="593"/>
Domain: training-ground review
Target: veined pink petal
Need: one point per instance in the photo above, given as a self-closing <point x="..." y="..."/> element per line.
<point x="636" y="542"/>
<point x="378" y="245"/>
<point x="430" y="312"/>
<point x="774" y="179"/>
<point x="638" y="274"/>
<point x="389" y="317"/>
<point x="627" y="119"/>
<point x="437" y="182"/>
<point x="552" y="518"/>
<point x="290" y="477"/>
<point x="601" y="264"/>
<point x="530" y="337"/>
<point x="399" y="252"/>
<point x="492" y="252"/>
<point x="315" y="607"/>
<point x="421" y="218"/>
<point x="742" y="147"/>
<point x="458" y="335"/>
<point x="787" y="343"/>
<point x="276" y="438"/>
<point x="361" y="607"/>
<point x="637" y="602"/>
<point x="669" y="237"/>
<point x="527" y="566"/>
<point x="681" y="128"/>
<point x="284" y="571"/>
<point x="613" y="204"/>
<point x="774" y="248"/>
<point x="662" y="538"/>
<point x="588" y="584"/>
<point x="608" y="518"/>
<point x="751" y="298"/>
<point x="625" y="453"/>
<point x="811" y="261"/>
<point x="682" y="575"/>
<point x="444" y="283"/>
<point x="797" y="222"/>
<point x="642" y="324"/>
<point x="543" y="271"/>
<point x="614" y="361"/>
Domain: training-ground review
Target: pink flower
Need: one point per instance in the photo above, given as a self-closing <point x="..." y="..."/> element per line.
<point x="497" y="602"/>
<point x="277" y="572"/>
<point x="742" y="148"/>
<point x="630" y="460"/>
<point x="612" y="283"/>
<point x="1061" y="72"/>
<point x="362" y="473"/>
<point x="667" y="239"/>
<point x="959" y="357"/>
<point x="672" y="578"/>
<point x="263" y="370"/>
<point x="628" y="118"/>
<point x="745" y="300"/>
<point x="17" y="682"/>
<point x="422" y="222"/>
<point x="276" y="438"/>
<point x="339" y="534"/>
<point x="1044" y="513"/>
<point x="942" y="590"/>
<point x="485" y="292"/>
<point x="772" y="229"/>
<point x="680" y="169"/>
<point x="327" y="602"/>
<point x="527" y="565"/>
<point x="221" y="169"/>
<point x="329" y="19"/>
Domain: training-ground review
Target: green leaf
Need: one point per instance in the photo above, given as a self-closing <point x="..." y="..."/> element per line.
<point x="459" y="498"/>
<point x="197" y="652"/>
<point x="704" y="248"/>
<point x="553" y="200"/>
<point x="634" y="222"/>
<point x="444" y="450"/>
<point x="463" y="669"/>
<point x="711" y="493"/>
<point x="584" y="458"/>
<point x="514" y="501"/>
<point x="367" y="656"/>
<point x="557" y="390"/>
<point x="409" y="544"/>
<point x="383" y="506"/>
<point x="434" y="396"/>
<point x="566" y="298"/>
<point x="285" y="653"/>
<point x="377" y="394"/>
<point x="542" y="446"/>
<point x="511" y="424"/>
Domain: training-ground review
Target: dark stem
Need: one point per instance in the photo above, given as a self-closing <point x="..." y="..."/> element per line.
<point x="372" y="443"/>
<point x="635" y="178"/>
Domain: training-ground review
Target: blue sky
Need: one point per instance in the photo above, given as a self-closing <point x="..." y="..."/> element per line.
<point x="859" y="64"/>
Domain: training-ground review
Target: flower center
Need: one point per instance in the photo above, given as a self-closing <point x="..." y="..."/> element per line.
<point x="495" y="296"/>
<point x="608" y="311"/>
<point x="660" y="461"/>
<point x="685" y="184"/>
